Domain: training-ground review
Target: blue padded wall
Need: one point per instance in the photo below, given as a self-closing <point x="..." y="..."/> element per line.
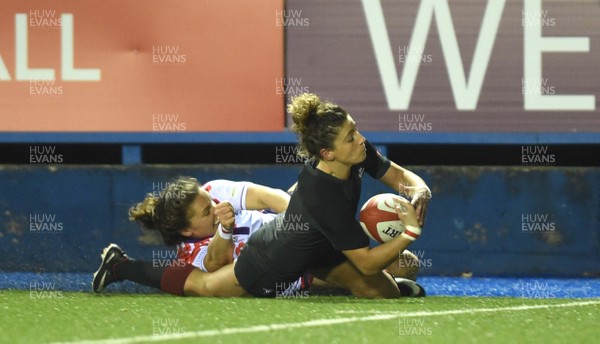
<point x="475" y="223"/>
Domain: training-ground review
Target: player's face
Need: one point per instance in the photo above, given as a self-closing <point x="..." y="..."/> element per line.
<point x="349" y="144"/>
<point x="202" y="220"/>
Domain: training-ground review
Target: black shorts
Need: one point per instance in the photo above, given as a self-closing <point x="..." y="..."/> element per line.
<point x="266" y="267"/>
<point x="259" y="283"/>
<point x="253" y="279"/>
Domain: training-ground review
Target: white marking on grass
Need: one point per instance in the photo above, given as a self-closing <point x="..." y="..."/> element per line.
<point x="321" y="322"/>
<point x="475" y="310"/>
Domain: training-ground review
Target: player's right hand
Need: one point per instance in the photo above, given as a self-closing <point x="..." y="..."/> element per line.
<point x="226" y="214"/>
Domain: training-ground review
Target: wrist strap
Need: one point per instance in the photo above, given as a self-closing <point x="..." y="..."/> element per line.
<point x="411" y="233"/>
<point x="223" y="233"/>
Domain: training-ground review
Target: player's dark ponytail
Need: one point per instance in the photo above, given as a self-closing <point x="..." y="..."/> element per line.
<point x="169" y="212"/>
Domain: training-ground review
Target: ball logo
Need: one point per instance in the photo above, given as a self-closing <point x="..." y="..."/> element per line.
<point x="391" y="232"/>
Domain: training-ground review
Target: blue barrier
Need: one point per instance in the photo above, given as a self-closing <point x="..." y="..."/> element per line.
<point x="488" y="221"/>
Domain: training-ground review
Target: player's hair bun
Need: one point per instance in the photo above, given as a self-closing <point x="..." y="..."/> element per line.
<point x="304" y="109"/>
<point x="316" y="122"/>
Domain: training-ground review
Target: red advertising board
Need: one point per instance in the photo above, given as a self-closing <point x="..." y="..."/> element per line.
<point x="140" y="65"/>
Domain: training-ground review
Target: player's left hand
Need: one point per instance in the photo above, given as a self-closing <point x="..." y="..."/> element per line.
<point x="406" y="212"/>
<point x="420" y="196"/>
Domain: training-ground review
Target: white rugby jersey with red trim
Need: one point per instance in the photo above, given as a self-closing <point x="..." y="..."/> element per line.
<point x="247" y="222"/>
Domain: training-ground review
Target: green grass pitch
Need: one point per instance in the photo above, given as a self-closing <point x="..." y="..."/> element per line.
<point x="30" y="317"/>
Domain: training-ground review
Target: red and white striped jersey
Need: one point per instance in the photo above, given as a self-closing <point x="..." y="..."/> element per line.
<point x="193" y="250"/>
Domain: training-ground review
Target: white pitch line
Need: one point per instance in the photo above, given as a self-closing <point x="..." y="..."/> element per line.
<point x="320" y="322"/>
<point x="476" y="310"/>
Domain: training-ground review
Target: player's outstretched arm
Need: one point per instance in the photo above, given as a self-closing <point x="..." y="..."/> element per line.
<point x="259" y="197"/>
<point x="370" y="261"/>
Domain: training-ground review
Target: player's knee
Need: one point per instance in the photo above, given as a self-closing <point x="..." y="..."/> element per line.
<point x="409" y="263"/>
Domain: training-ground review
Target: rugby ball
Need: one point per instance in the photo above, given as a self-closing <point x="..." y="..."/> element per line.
<point x="379" y="219"/>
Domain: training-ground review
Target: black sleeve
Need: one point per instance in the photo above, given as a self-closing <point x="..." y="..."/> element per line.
<point x="376" y="165"/>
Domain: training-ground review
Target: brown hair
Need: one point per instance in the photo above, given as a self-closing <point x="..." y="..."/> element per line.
<point x="317" y="123"/>
<point x="170" y="211"/>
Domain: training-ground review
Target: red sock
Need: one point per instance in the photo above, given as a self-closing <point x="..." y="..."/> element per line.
<point x="174" y="277"/>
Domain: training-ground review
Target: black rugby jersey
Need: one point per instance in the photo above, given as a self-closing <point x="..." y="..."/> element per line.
<point x="319" y="222"/>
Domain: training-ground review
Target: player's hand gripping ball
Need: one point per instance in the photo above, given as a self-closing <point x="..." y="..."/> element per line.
<point x="379" y="219"/>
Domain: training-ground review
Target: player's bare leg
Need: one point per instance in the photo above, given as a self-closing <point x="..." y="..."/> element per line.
<point x="346" y="275"/>
<point x="222" y="283"/>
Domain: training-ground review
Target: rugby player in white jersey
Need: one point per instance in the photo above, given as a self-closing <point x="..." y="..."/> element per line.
<point x="221" y="216"/>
